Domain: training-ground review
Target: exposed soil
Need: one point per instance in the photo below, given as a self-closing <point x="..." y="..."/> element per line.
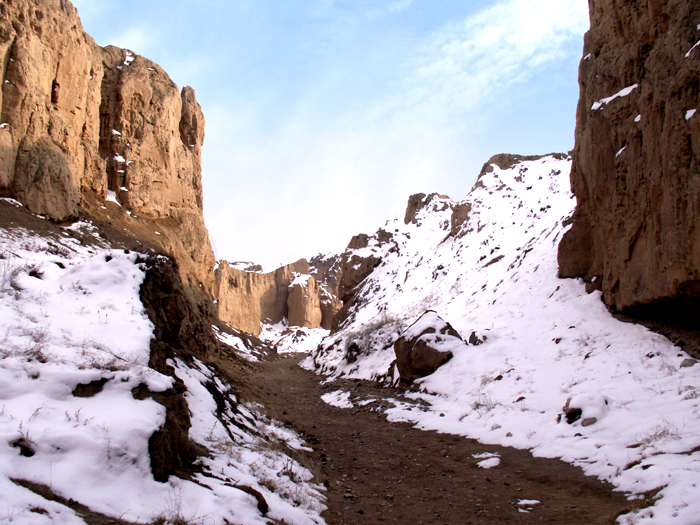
<point x="89" y="516"/>
<point x="381" y="472"/>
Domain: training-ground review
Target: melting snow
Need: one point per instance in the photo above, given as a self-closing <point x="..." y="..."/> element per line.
<point x="689" y="114"/>
<point x="488" y="460"/>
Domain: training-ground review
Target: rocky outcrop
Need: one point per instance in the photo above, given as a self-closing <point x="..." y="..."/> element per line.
<point x="363" y="254"/>
<point x="506" y="161"/>
<point x="304" y="302"/>
<point x="246" y="299"/>
<point x="425" y="346"/>
<point x="418" y="202"/>
<point x="637" y="157"/>
<point x="325" y="269"/>
<point x="79" y="121"/>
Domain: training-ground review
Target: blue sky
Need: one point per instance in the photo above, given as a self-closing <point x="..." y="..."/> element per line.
<point x="323" y="116"/>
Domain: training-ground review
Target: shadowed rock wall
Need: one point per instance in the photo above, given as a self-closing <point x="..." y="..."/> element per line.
<point x="636" y="163"/>
<point x="78" y="120"/>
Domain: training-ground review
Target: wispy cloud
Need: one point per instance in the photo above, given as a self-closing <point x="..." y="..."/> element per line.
<point x="316" y="178"/>
<point x="465" y="64"/>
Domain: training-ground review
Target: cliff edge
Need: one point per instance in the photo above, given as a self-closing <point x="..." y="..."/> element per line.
<point x="636" y="162"/>
<point x="99" y="131"/>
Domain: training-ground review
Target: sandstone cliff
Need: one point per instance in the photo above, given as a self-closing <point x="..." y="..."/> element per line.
<point x="79" y="123"/>
<point x="303" y="294"/>
<point x="637" y="156"/>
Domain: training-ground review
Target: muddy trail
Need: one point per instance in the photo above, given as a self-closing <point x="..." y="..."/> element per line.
<point x="390" y="473"/>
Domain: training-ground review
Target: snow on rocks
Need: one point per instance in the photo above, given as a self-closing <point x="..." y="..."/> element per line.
<point x="622" y="93"/>
<point x="547" y="341"/>
<point x="74" y="346"/>
<point x="290" y="340"/>
<point x="589" y="408"/>
<point x="425" y="346"/>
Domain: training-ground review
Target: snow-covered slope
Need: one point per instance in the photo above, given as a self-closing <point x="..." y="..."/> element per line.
<point x="74" y="347"/>
<point x="546" y="340"/>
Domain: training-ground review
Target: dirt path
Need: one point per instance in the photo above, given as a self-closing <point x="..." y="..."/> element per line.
<point x="381" y="472"/>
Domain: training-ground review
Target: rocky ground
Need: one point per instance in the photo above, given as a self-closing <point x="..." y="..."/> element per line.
<point x="381" y="472"/>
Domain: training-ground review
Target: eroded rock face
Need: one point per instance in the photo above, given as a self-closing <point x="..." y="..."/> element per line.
<point x="425" y="346"/>
<point x="304" y="303"/>
<point x="326" y="270"/>
<point x="78" y="121"/>
<point x="246" y="299"/>
<point x="636" y="162"/>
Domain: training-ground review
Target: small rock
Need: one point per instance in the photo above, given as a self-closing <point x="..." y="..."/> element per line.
<point x="588" y="421"/>
<point x="687" y="363"/>
<point x="475" y="340"/>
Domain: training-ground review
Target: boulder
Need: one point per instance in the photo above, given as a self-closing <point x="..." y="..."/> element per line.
<point x="588" y="408"/>
<point x="425" y="346"/>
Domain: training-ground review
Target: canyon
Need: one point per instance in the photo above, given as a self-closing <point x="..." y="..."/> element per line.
<point x="473" y="339"/>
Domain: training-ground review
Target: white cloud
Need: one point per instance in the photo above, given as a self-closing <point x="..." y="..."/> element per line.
<point x="468" y="62"/>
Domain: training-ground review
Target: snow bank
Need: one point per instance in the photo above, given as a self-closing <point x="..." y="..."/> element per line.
<point x="70" y="316"/>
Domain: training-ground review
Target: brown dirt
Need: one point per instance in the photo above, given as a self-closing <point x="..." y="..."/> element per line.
<point x="89" y="516"/>
<point x="389" y="473"/>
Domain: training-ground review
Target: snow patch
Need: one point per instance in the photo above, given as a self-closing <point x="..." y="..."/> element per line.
<point x="488" y="460"/>
<point x="338" y="399"/>
<point x="112" y="197"/>
<point x="622" y="93"/>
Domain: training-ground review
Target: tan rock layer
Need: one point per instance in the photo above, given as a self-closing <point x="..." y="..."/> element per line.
<point x="636" y="163"/>
<point x="245" y="299"/>
<point x="78" y="120"/>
